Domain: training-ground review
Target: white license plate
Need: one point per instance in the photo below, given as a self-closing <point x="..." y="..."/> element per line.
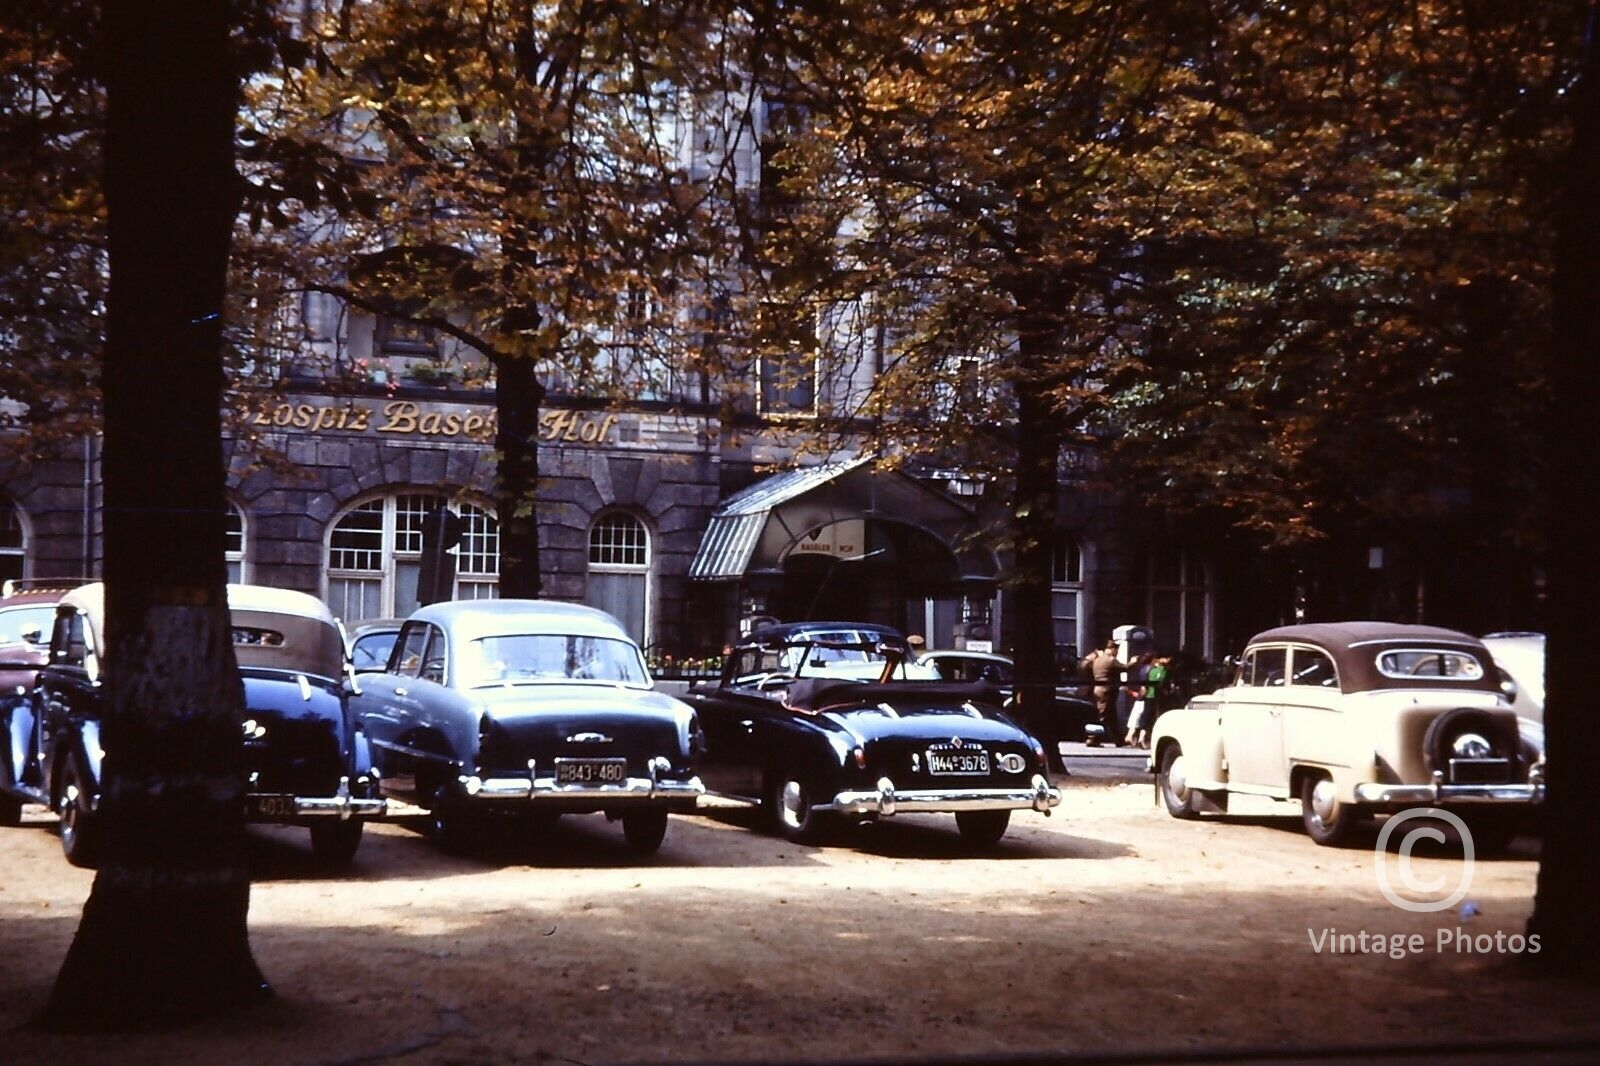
<point x="591" y="771"/>
<point x="958" y="762"/>
<point x="264" y="805"/>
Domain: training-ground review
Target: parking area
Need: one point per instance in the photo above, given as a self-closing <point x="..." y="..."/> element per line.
<point x="1108" y="927"/>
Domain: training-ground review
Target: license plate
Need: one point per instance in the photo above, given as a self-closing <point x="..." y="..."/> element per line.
<point x="269" y="806"/>
<point x="591" y="771"/>
<point x="958" y="762"/>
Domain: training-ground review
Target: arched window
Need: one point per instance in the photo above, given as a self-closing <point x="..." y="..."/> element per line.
<point x="238" y="570"/>
<point x="619" y="571"/>
<point x="1066" y="593"/>
<point x="375" y="555"/>
<point x="13" y="542"/>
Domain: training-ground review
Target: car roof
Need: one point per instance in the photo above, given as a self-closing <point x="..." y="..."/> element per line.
<point x="473" y="618"/>
<point x="90" y="599"/>
<point x="1353" y="647"/>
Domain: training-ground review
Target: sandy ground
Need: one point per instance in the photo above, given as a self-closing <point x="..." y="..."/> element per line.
<point x="1112" y="928"/>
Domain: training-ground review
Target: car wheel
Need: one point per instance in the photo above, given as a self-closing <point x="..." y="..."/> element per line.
<point x="450" y="827"/>
<point x="334" y="842"/>
<point x="80" y="827"/>
<point x="1327" y="821"/>
<point x="644" y="830"/>
<point x="982" y="828"/>
<point x="1492" y="831"/>
<point x="1174" y="785"/>
<point x="792" y="813"/>
<point x="10" y="811"/>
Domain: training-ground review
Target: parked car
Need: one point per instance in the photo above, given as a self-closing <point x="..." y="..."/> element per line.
<point x="27" y="613"/>
<point x="527" y="707"/>
<point x="306" y="765"/>
<point x="370" y="643"/>
<point x="824" y="721"/>
<point x="1519" y="657"/>
<point x="1065" y="721"/>
<point x="1354" y="719"/>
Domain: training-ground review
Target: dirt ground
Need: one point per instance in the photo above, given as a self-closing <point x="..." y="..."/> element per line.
<point x="1107" y="928"/>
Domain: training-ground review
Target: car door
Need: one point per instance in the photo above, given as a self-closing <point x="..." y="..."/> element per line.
<point x="1252" y="721"/>
<point x="391" y="711"/>
<point x="729" y="717"/>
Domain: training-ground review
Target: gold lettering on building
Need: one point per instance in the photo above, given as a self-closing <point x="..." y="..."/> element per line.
<point x="410" y="418"/>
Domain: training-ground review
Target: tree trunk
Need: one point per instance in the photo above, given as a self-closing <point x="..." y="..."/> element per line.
<point x="517" y="398"/>
<point x="163" y="936"/>
<point x="1033" y="526"/>
<point x="1563" y="911"/>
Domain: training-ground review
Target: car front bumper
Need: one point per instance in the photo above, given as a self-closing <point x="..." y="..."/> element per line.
<point x="886" y="800"/>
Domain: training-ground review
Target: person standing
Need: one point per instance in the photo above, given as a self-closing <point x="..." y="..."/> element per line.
<point x="1102" y="666"/>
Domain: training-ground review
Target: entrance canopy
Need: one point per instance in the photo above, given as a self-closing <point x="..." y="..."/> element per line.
<point x="826" y="510"/>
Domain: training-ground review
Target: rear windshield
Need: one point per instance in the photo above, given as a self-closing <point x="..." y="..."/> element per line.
<point x="552" y="657"/>
<point x="27" y="623"/>
<point x="1434" y="663"/>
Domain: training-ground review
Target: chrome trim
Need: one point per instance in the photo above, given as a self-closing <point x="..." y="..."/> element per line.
<point x="888" y="801"/>
<point x="1370" y="792"/>
<point x="535" y="787"/>
<point x="341" y="804"/>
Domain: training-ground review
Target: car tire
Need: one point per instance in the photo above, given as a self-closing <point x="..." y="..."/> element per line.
<point x="1328" y="821"/>
<point x="644" y="830"/>
<point x="1170" y="781"/>
<point x="1492" y="831"/>
<point x="1443" y="730"/>
<point x="791" y="805"/>
<point x="10" y="811"/>
<point x="451" y="828"/>
<point x="982" y="829"/>
<point x="80" y="826"/>
<point x="334" y="842"/>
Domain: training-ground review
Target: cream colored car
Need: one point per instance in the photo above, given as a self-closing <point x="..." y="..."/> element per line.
<point x="1353" y="719"/>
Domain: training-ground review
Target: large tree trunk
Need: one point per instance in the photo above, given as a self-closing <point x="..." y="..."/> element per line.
<point x="163" y="935"/>
<point x="1563" y="912"/>
<point x="517" y="399"/>
<point x="1033" y="525"/>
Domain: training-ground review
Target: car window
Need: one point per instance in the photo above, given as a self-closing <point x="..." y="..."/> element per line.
<point x="371" y="651"/>
<point x="550" y="657"/>
<point x="26" y="624"/>
<point x="413" y="645"/>
<point x="1449" y="663"/>
<point x="1313" y="667"/>
<point x="1265" y="667"/>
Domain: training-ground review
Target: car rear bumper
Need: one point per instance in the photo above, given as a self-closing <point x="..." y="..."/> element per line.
<point x="1438" y="795"/>
<point x="288" y="807"/>
<point x="534" y="787"/>
<point x="886" y="801"/>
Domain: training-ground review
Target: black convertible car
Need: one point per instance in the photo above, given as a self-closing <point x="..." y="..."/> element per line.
<point x="833" y="721"/>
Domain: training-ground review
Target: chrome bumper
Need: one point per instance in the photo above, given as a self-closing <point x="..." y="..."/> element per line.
<point x="886" y="801"/>
<point x="535" y="787"/>
<point x="1448" y="795"/>
<point x="341" y="805"/>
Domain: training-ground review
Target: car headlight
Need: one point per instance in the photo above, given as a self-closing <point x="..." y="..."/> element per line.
<point x="1471" y="746"/>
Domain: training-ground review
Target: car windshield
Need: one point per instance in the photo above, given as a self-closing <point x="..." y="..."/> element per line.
<point x="32" y="624"/>
<point x="1449" y="663"/>
<point x="522" y="657"/>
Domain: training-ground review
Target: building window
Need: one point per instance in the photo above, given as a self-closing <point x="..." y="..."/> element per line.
<point x="375" y="556"/>
<point x="1178" y="599"/>
<point x="13" y="542"/>
<point x="396" y="336"/>
<point x="1066" y="594"/>
<point x="619" y="572"/>
<point x="789" y="383"/>
<point x="238" y="573"/>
